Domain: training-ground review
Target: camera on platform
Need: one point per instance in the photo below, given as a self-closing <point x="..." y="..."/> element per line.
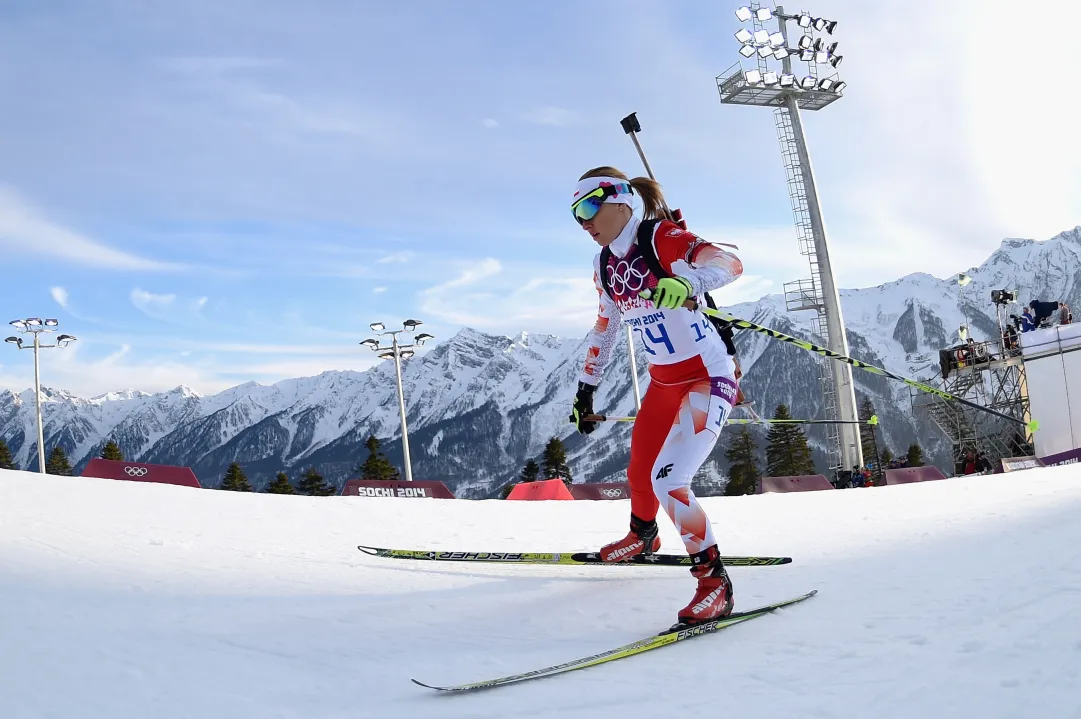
<point x="1003" y="297"/>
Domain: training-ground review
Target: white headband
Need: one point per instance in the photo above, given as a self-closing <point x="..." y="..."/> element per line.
<point x="592" y="183"/>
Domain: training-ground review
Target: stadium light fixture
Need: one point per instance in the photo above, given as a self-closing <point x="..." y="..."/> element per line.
<point x="787" y="80"/>
<point x="836" y="60"/>
<point x="743" y="14"/>
<point x="744" y="35"/>
<point x="769" y="78"/>
<point x="747" y="50"/>
<point x="764" y="14"/>
<point x="377" y="326"/>
<point x="805" y="20"/>
<point x="761" y="37"/>
<point x="754" y="77"/>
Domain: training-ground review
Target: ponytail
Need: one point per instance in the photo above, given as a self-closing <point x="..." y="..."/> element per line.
<point x="653" y="204"/>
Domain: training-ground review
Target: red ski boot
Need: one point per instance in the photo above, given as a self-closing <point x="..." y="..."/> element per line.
<point x="642" y="539"/>
<point x="713" y="599"/>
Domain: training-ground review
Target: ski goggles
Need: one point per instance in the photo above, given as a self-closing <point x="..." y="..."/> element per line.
<point x="588" y="205"/>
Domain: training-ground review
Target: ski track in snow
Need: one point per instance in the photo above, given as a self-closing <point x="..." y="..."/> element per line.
<point x="958" y="598"/>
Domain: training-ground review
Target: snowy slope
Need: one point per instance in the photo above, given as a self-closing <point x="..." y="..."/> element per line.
<point x="480" y="405"/>
<point x="958" y="598"/>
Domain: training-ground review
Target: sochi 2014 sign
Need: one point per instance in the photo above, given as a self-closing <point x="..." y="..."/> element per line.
<point x="403" y="490"/>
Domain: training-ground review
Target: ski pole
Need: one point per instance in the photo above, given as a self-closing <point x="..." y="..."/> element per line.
<point x="873" y="421"/>
<point x="1031" y="425"/>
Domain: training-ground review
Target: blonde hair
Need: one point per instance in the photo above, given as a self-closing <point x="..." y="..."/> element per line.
<point x="653" y="204"/>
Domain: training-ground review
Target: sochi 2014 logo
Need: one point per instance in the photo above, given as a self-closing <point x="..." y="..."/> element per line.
<point x="627" y="277"/>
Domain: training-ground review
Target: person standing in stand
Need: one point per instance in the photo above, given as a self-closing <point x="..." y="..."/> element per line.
<point x="646" y="269"/>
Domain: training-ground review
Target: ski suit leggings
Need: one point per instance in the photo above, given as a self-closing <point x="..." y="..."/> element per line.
<point x="674" y="433"/>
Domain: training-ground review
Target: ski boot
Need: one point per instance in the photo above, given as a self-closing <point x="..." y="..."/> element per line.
<point x="713" y="598"/>
<point x="642" y="539"/>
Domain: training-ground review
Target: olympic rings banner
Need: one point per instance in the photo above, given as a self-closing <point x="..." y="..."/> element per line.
<point x="139" y="472"/>
<point x="609" y="490"/>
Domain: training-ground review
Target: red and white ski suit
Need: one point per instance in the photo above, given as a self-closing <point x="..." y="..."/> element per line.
<point x="692" y="385"/>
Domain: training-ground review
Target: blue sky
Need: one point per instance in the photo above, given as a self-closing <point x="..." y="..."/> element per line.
<point x="213" y="192"/>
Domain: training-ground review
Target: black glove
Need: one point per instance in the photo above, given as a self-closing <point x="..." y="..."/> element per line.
<point x="583" y="405"/>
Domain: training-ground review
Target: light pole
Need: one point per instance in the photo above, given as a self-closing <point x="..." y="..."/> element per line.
<point x="398" y="352"/>
<point x="787" y="94"/>
<point x="35" y="326"/>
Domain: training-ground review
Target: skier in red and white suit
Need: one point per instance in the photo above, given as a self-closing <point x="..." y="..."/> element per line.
<point x="692" y="384"/>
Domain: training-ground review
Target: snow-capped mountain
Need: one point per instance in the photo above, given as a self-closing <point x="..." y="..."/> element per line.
<point x="479" y="405"/>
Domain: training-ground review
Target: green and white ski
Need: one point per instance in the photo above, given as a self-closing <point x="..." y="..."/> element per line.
<point x="674" y="635"/>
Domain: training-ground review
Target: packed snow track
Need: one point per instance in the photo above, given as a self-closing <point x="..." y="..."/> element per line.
<point x="957" y="598"/>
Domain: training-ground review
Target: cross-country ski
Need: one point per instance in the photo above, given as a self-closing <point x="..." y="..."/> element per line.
<point x="662" y="639"/>
<point x="561" y="558"/>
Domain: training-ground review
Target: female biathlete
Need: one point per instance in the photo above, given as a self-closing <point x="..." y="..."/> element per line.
<point x="645" y="271"/>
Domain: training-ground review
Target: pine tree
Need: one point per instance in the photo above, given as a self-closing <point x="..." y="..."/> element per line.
<point x="112" y="451"/>
<point x="787" y="451"/>
<point x="887" y="457"/>
<point x="867" y="435"/>
<point x="555" y="461"/>
<point x="280" y="485"/>
<point x="743" y="474"/>
<point x="6" y="462"/>
<point x="915" y="455"/>
<point x="377" y="466"/>
<point x="57" y="463"/>
<point x="530" y="472"/>
<point x="235" y="480"/>
<point x="507" y="489"/>
<point x="313" y="484"/>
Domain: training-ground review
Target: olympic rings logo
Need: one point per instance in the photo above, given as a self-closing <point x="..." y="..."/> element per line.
<point x="612" y="493"/>
<point x="136" y="471"/>
<point x="627" y="276"/>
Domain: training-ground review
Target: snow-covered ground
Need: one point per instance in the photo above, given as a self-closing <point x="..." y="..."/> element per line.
<point x="959" y="598"/>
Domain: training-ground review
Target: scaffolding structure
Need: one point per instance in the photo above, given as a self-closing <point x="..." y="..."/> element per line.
<point x="991" y="374"/>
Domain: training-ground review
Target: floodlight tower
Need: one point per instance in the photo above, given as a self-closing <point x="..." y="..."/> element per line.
<point x="34" y="326"/>
<point x="398" y="352"/>
<point x="788" y="94"/>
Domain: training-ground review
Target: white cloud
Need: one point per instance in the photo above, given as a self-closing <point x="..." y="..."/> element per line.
<point x="200" y="303"/>
<point x="151" y="304"/>
<point x="23" y="231"/>
<point x="490" y="122"/>
<point x="378" y="290"/>
<point x="215" y="64"/>
<point x="488" y="297"/>
<point x="404" y="256"/>
<point x="555" y="116"/>
<point x="60" y="295"/>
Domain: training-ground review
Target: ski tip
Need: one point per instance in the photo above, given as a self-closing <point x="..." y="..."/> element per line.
<point x="422" y="684"/>
<point x="374" y="551"/>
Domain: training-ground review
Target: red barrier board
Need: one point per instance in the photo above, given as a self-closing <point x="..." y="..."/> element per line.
<point x="139" y="472"/>
<point x="907" y="475"/>
<point x="804" y="483"/>
<point x="601" y="490"/>
<point x="545" y="489"/>
<point x="405" y="490"/>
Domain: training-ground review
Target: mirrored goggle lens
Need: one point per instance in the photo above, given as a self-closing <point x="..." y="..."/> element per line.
<point x="587" y="208"/>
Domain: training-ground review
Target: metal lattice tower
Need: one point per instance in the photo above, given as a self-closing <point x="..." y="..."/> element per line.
<point x="787" y="95"/>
